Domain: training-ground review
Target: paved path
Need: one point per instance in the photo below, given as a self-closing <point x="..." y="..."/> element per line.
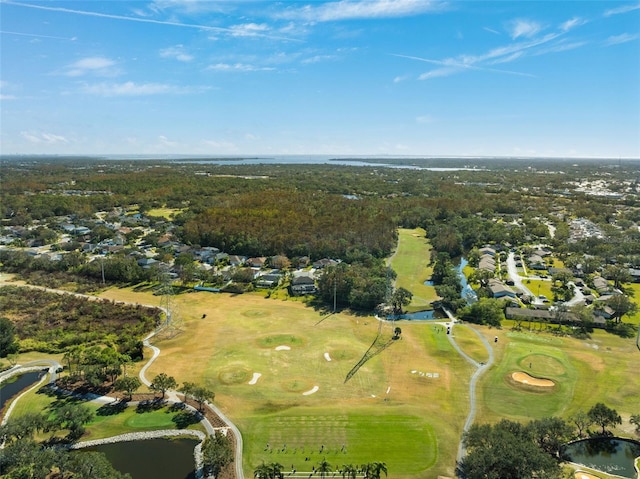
<point x="480" y="369"/>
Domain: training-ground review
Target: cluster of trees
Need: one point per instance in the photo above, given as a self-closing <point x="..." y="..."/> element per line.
<point x="488" y="311"/>
<point x="54" y="323"/>
<point x="360" y="285"/>
<point x="515" y="450"/>
<point x="95" y="364"/>
<point x="447" y="282"/>
<point x="370" y="470"/>
<point x="294" y="223"/>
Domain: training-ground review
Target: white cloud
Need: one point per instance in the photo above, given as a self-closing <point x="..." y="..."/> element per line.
<point x="177" y="52"/>
<point x="524" y="28"/>
<point x="8" y="97"/>
<point x="99" y="66"/>
<point x="622" y="38"/>
<point x="249" y="29"/>
<point x="164" y="141"/>
<point x="439" y="72"/>
<point x="622" y="9"/>
<point x="319" y="58"/>
<point x="572" y="23"/>
<point x="348" y="9"/>
<point x="46" y="138"/>
<point x="491" y="30"/>
<point x="237" y="67"/>
<point x="136" y="89"/>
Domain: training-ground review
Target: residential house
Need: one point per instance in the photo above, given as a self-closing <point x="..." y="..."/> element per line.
<point x="256" y="262"/>
<point x="303" y="284"/>
<point x="500" y="290"/>
<point x="323" y="263"/>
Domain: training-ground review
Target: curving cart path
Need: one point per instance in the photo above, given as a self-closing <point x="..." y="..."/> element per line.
<point x="480" y="369"/>
<point x="156" y="352"/>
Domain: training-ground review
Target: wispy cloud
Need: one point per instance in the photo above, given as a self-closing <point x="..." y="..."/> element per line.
<point x="136" y="89"/>
<point x="348" y="9"/>
<point x="319" y="59"/>
<point x="99" y="66"/>
<point x="249" y="30"/>
<point x="238" y="67"/>
<point x="537" y="45"/>
<point x="623" y="9"/>
<point x="622" y="38"/>
<point x="523" y="28"/>
<point x="141" y="19"/>
<point x="36" y="35"/>
<point x="176" y="52"/>
<point x="572" y="23"/>
<point x="491" y="30"/>
<point x="43" y="137"/>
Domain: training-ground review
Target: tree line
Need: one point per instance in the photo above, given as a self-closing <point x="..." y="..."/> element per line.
<point x="536" y="449"/>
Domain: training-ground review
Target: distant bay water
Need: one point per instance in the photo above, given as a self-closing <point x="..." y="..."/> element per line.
<point x="419" y="163"/>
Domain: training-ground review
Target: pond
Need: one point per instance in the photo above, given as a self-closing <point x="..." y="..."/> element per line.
<point x="419" y="315"/>
<point x="160" y="458"/>
<point x="16" y="384"/>
<point x="611" y="455"/>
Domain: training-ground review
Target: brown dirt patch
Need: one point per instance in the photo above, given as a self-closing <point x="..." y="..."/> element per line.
<point x="524" y="378"/>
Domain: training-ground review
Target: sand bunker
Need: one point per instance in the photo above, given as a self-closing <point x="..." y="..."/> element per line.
<point x="327" y="357"/>
<point x="310" y="391"/>
<point x="255" y="378"/>
<point x="524" y="378"/>
<point x="584" y="475"/>
<point x="283" y="348"/>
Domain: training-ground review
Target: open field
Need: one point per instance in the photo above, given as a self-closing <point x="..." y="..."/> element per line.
<point x="402" y="407"/>
<point x="410" y="263"/>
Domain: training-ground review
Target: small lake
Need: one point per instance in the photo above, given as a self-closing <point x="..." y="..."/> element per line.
<point x="16" y="384"/>
<point x="419" y="315"/>
<point x="159" y="458"/>
<point x="611" y="455"/>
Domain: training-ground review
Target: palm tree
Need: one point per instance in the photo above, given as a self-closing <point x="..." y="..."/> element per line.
<point x="262" y="472"/>
<point x="372" y="470"/>
<point x="349" y="471"/>
<point x="379" y="467"/>
<point x="276" y="470"/>
<point x="324" y="468"/>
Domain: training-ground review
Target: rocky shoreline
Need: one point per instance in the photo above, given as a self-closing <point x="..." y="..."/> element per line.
<point x="139" y="436"/>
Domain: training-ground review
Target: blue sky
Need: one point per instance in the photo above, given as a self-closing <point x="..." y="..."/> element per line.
<point x="372" y="77"/>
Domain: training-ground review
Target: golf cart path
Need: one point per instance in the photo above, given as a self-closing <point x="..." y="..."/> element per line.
<point x="156" y="352"/>
<point x="480" y="369"/>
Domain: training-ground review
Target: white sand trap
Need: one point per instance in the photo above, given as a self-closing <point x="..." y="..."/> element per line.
<point x="327" y="357"/>
<point x="283" y="348"/>
<point x="524" y="378"/>
<point x="310" y="391"/>
<point x="388" y="389"/>
<point x="585" y="475"/>
<point x="255" y="378"/>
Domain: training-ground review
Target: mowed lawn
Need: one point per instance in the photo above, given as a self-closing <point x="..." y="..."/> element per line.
<point x="405" y="406"/>
<point x="410" y="263"/>
<point x="603" y="368"/>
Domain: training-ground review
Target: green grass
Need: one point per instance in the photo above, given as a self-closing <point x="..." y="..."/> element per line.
<point x="504" y="397"/>
<point x="471" y="343"/>
<point x="410" y="263"/>
<point x="129" y="420"/>
<point x="409" y="443"/>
